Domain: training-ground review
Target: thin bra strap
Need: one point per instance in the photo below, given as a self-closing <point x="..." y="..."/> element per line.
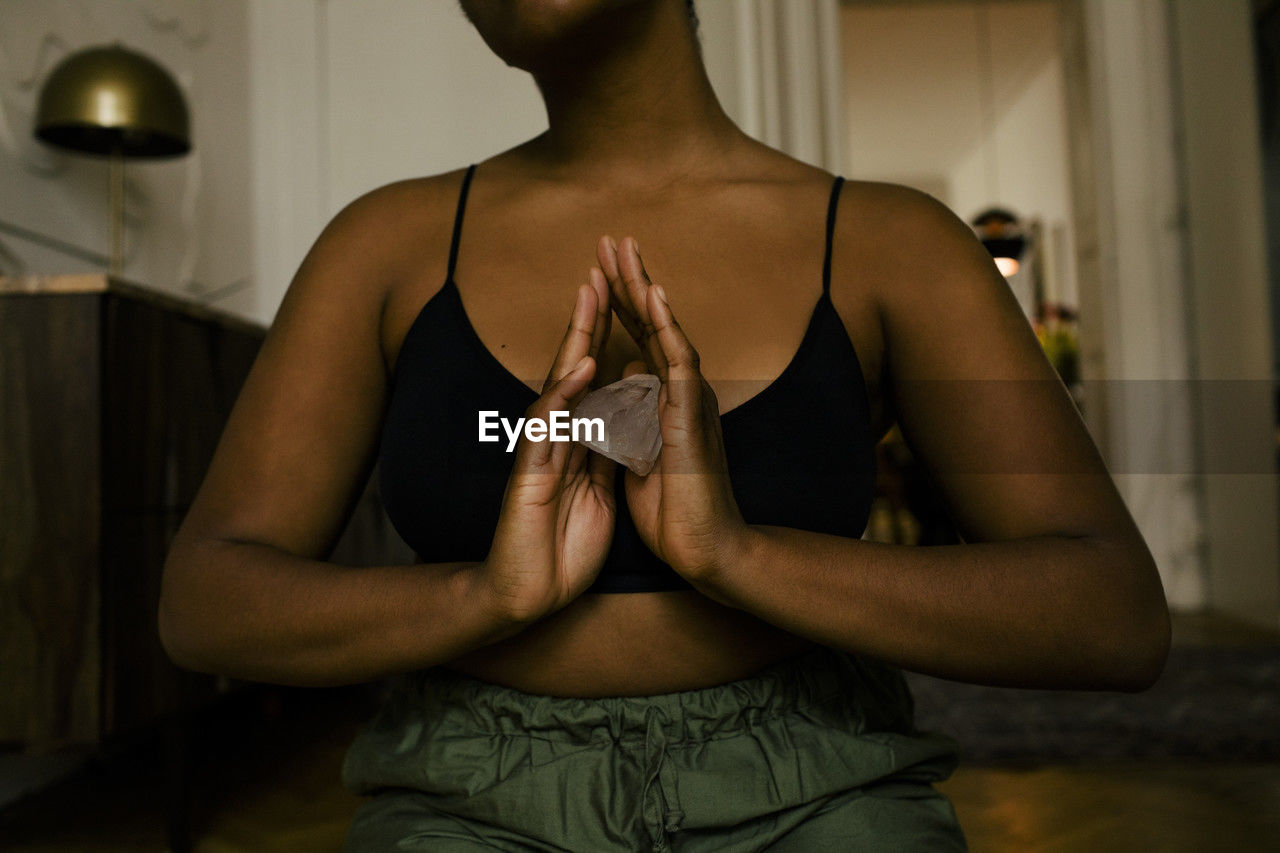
<point x="457" y="219"/>
<point x="831" y="227"/>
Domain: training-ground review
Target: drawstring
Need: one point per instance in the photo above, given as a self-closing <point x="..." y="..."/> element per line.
<point x="659" y="781"/>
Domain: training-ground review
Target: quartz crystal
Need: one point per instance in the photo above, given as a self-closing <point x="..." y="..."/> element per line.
<point x="629" y="409"/>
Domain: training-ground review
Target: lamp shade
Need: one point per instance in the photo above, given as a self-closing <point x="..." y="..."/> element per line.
<point x="1002" y="234"/>
<point x="106" y="100"/>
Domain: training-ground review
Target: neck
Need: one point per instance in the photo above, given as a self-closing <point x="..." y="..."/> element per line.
<point x="642" y="104"/>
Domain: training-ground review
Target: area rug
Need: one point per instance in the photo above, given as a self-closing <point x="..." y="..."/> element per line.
<point x="1212" y="702"/>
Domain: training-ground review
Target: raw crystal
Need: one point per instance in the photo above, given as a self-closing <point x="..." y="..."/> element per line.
<point x="629" y="409"/>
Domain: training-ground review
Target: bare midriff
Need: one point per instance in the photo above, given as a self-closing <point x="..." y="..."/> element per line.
<point x="632" y="644"/>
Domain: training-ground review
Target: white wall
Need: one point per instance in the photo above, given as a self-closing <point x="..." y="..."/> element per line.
<point x="413" y="90"/>
<point x="188" y="230"/>
<point x="911" y="93"/>
<point x="914" y="77"/>
<point x="352" y="95"/>
<point x="1029" y="142"/>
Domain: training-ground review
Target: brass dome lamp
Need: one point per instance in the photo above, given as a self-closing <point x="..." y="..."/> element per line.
<point x="113" y="102"/>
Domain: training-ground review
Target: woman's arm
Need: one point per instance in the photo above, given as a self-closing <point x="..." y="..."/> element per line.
<point x="246" y="591"/>
<point x="1055" y="588"/>
<point x="1048" y="611"/>
<point x="258" y="612"/>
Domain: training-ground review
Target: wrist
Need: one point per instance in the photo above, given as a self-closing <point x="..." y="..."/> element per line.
<point x="503" y="609"/>
<point x="735" y="553"/>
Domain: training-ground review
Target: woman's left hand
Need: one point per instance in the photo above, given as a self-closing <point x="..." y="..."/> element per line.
<point x="684" y="509"/>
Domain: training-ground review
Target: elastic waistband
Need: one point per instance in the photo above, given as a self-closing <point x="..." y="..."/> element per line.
<point x="833" y="687"/>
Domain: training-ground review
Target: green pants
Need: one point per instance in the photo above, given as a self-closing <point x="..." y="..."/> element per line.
<point x="815" y="753"/>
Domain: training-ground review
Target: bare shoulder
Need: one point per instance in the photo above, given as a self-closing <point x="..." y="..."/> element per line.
<point x="908" y="251"/>
<point x="936" y="289"/>
<point x="905" y="242"/>
<point x="387" y="228"/>
<point x="377" y="247"/>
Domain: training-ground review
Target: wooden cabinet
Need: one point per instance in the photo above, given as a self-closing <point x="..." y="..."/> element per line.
<point x="112" y="400"/>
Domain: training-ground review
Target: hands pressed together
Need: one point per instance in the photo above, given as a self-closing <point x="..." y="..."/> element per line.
<point x="558" y="511"/>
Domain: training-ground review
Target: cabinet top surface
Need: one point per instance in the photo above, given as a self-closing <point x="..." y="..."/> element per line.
<point x="102" y="283"/>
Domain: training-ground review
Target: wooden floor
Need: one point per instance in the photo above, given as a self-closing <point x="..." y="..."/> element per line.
<point x="271" y="783"/>
<point x="1119" y="807"/>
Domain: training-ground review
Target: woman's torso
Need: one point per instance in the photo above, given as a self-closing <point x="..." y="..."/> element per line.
<point x="742" y="262"/>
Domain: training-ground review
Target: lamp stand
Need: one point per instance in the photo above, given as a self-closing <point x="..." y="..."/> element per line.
<point x="117" y="212"/>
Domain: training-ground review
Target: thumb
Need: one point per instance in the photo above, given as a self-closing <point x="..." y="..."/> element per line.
<point x="633" y="368"/>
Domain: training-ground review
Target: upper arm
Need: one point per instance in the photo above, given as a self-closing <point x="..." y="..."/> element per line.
<point x="299" y="444"/>
<point x="976" y="398"/>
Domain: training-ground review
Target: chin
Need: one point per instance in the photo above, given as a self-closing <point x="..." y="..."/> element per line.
<point x="545" y="35"/>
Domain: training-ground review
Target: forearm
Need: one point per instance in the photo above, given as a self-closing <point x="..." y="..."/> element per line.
<point x="256" y="612"/>
<point x="1049" y="612"/>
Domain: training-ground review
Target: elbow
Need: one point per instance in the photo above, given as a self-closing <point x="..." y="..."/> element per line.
<point x="174" y="639"/>
<point x="1139" y="656"/>
<point x="1145" y="661"/>
<point x="1135" y="648"/>
<point x="175" y="642"/>
<point x="175" y="619"/>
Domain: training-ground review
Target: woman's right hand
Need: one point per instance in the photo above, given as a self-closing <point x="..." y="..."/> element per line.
<point x="558" y="509"/>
